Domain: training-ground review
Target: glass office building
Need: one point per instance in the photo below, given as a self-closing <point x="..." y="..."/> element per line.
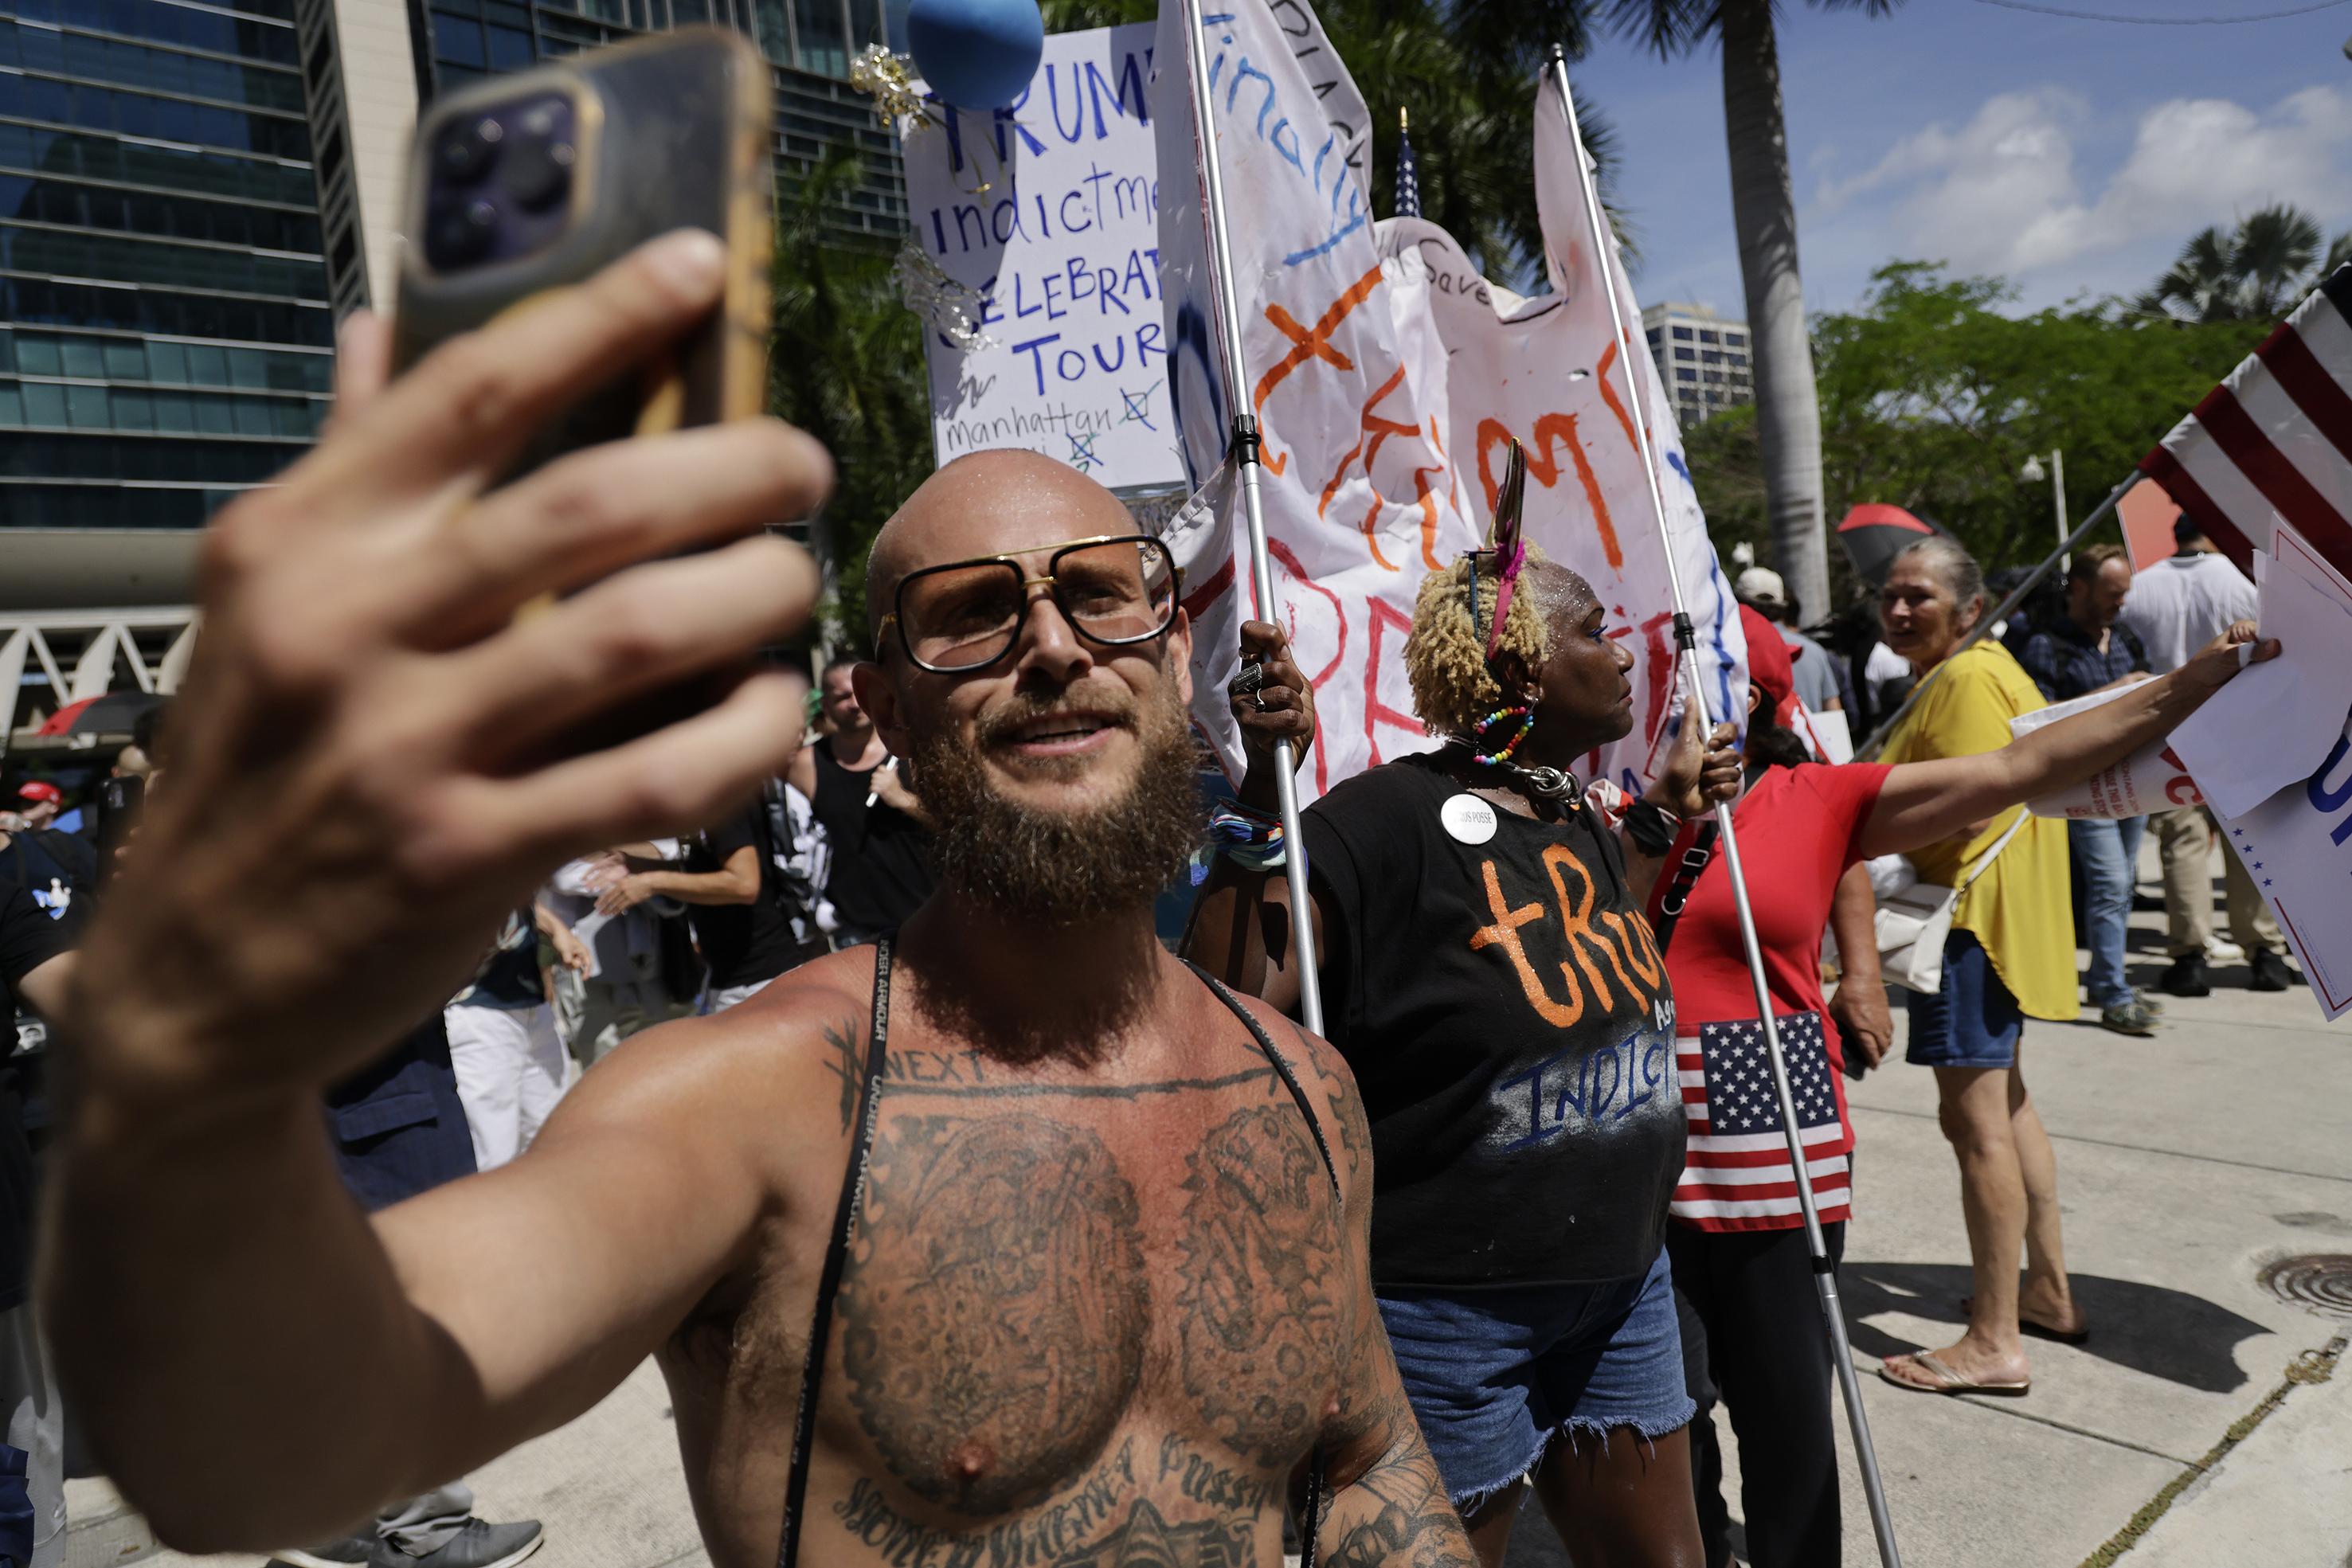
<point x="171" y="264"/>
<point x="809" y="45"/>
<point x="164" y="328"/>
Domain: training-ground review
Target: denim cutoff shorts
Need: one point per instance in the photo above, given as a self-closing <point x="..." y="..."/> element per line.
<point x="1972" y="1021"/>
<point x="1495" y="1376"/>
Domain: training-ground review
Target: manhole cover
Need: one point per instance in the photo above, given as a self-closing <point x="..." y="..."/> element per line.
<point x="2319" y="1280"/>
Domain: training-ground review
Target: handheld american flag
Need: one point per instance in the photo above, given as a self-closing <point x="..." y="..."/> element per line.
<point x="2274" y="439"/>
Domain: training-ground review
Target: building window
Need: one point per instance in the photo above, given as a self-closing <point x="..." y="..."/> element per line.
<point x="1685" y="373"/>
<point x="1682" y="334"/>
<point x="1705" y="335"/>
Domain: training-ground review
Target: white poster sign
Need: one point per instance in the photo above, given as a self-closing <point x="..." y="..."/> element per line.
<point x="2152" y="779"/>
<point x="2297" y="844"/>
<point x="1388" y="379"/>
<point x="1047" y="211"/>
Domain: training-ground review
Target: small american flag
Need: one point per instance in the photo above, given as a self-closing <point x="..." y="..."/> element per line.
<point x="1408" y="181"/>
<point x="1737" y="1175"/>
<point x="2274" y="439"/>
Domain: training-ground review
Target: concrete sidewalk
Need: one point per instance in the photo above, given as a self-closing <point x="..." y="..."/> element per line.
<point x="2186" y="1164"/>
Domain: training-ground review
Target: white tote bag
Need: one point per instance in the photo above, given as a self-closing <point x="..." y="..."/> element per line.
<point x="1913" y="921"/>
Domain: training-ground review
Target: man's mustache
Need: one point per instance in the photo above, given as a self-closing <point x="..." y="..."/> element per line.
<point x="998" y="727"/>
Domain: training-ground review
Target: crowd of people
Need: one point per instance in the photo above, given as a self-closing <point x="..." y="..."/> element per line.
<point x="838" y="1064"/>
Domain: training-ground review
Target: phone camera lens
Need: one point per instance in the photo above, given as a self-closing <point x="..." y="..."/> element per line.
<point x="539" y="166"/>
<point x="466" y="151"/>
<point x="538" y="173"/>
<point x="461" y="234"/>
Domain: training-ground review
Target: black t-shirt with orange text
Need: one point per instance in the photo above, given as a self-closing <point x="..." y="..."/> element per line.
<point x="1498" y="995"/>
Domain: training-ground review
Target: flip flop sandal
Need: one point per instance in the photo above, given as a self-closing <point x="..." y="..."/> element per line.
<point x="2027" y="1326"/>
<point x="1947" y="1380"/>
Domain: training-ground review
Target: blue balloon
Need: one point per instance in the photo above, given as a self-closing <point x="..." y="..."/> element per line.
<point x="976" y="54"/>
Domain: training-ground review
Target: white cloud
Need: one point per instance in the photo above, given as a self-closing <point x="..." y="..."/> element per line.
<point x="2003" y="193"/>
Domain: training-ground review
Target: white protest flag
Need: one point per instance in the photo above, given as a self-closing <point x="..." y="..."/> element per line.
<point x="1318" y="345"/>
<point x="1381" y="368"/>
<point x="1546" y="371"/>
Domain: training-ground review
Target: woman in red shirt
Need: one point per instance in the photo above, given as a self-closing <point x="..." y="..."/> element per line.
<point x="1751" y="1321"/>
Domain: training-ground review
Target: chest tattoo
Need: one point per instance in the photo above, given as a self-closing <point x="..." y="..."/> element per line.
<point x="994" y="1308"/>
<point x="1260" y="1319"/>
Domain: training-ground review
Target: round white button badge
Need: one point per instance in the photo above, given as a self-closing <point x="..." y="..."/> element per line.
<point x="1468" y="819"/>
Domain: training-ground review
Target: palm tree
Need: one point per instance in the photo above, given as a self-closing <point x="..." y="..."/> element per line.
<point x="1764" y="212"/>
<point x="2257" y="272"/>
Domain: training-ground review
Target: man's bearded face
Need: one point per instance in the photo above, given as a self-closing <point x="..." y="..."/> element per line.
<point x="1112" y="850"/>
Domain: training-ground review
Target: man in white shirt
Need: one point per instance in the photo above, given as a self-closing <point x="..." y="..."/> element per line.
<point x="623" y="990"/>
<point x="2177" y="606"/>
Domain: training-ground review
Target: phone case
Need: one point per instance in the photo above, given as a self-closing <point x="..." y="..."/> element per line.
<point x="670" y="132"/>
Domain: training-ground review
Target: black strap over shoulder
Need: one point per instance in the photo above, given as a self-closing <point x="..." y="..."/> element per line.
<point x="1687" y="875"/>
<point x="837" y="1259"/>
<point x="1282" y="1069"/>
<point x="1316" y="1479"/>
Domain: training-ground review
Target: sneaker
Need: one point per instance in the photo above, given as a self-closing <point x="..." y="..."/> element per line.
<point x="2145" y="1000"/>
<point x="2271" y="973"/>
<point x="2187" y="978"/>
<point x="2127" y="1018"/>
<point x="346" y="1552"/>
<point x="2222" y="951"/>
<point x="478" y="1544"/>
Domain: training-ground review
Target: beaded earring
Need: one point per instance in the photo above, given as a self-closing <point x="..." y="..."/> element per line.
<point x="1501" y="757"/>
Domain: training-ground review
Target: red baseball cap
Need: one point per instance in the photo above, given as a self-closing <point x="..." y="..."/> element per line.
<point x="1769" y="669"/>
<point x="41" y="790"/>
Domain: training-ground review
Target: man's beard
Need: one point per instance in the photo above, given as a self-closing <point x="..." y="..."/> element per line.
<point x="1063" y="867"/>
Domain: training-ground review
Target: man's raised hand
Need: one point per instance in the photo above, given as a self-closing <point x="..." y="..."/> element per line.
<point x="374" y="759"/>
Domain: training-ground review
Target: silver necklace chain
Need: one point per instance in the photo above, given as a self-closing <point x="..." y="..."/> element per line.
<point x="1550" y="783"/>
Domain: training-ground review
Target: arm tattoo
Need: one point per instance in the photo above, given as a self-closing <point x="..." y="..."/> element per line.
<point x="846" y="1066"/>
<point x="1340" y="1091"/>
<point x="1259" y="1316"/>
<point x="995" y="1306"/>
<point x="1396" y="1514"/>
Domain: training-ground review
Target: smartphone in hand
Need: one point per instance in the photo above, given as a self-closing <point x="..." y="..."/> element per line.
<point x="527" y="183"/>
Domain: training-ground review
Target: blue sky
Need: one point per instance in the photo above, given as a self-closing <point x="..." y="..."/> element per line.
<point x="2070" y="156"/>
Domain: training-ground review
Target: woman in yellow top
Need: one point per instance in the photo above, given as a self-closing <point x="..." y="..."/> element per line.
<point x="2011" y="955"/>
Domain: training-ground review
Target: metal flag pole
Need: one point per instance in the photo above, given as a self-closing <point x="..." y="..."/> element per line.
<point x="1686" y="639"/>
<point x="1868" y="751"/>
<point x="1245" y="445"/>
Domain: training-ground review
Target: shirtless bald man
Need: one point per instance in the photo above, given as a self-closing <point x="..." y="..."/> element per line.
<point x="1070" y="1246"/>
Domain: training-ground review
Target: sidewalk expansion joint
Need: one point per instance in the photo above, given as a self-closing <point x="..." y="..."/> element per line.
<point x="2056" y="1137"/>
<point x="2308" y="1366"/>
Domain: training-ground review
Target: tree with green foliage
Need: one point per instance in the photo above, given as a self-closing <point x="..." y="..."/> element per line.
<point x="1764" y="213"/>
<point x="2257" y="272"/>
<point x="846" y="365"/>
<point x="1932" y="399"/>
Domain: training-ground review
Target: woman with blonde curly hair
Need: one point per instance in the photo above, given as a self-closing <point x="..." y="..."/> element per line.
<point x="1487" y="972"/>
